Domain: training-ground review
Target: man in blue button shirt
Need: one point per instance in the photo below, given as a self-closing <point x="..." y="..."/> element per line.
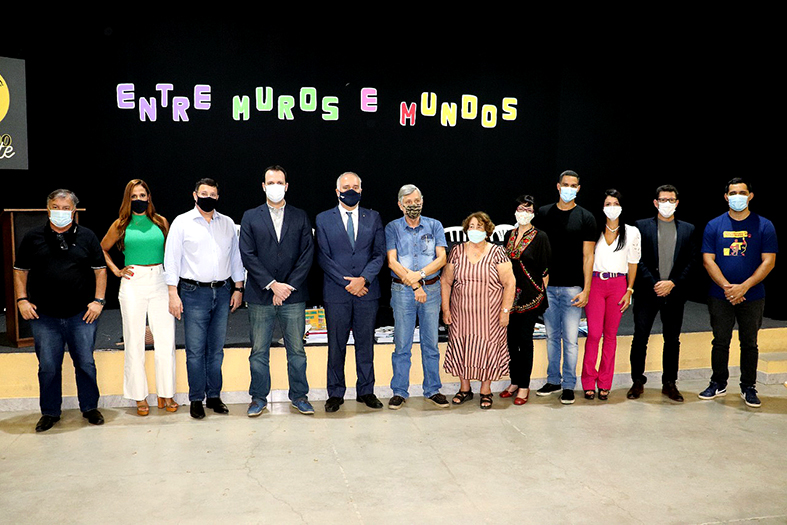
<point x="416" y="253"/>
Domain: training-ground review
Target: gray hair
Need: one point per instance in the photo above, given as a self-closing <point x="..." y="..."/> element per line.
<point x="338" y="180"/>
<point x="407" y="189"/>
<point x="62" y="194"/>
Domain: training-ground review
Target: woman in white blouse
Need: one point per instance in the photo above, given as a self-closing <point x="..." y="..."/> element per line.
<point x="614" y="270"/>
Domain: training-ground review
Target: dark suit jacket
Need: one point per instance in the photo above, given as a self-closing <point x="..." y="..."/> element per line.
<point x="683" y="262"/>
<point x="338" y="259"/>
<point x="266" y="259"/>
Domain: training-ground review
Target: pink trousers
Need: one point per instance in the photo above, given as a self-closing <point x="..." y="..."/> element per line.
<point x="603" y="314"/>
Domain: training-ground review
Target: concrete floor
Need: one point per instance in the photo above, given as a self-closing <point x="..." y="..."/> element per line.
<point x="645" y="461"/>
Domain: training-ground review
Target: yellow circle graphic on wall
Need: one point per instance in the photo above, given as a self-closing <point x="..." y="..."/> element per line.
<point x="5" y="99"/>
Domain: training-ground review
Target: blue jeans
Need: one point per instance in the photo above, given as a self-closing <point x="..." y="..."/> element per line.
<point x="205" y="314"/>
<point x="406" y="309"/>
<point x="51" y="335"/>
<point x="561" y="321"/>
<point x="292" y="319"/>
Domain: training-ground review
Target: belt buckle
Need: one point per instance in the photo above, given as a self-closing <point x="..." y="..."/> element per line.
<point x="602" y="276"/>
<point x="216" y="284"/>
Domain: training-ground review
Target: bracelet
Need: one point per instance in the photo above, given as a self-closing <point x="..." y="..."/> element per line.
<point x="22" y="299"/>
<point x="630" y="290"/>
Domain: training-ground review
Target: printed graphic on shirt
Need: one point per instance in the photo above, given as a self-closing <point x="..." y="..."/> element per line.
<point x="738" y="246"/>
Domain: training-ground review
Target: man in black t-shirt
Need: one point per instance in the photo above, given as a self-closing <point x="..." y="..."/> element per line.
<point x="60" y="279"/>
<point x="572" y="233"/>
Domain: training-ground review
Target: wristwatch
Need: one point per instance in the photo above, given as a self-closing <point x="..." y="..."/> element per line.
<point x="240" y="289"/>
<point x="102" y="302"/>
<point x="423" y="275"/>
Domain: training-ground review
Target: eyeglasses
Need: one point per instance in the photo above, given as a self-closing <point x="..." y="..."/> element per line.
<point x="62" y="240"/>
<point x="671" y="201"/>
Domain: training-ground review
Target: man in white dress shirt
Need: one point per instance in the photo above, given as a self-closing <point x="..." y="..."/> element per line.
<point x="205" y="276"/>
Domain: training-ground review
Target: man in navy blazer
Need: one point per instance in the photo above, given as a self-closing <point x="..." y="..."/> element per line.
<point x="351" y="252"/>
<point x="277" y="249"/>
<point x="669" y="252"/>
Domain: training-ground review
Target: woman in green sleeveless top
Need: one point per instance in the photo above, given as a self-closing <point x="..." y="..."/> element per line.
<point x="139" y="233"/>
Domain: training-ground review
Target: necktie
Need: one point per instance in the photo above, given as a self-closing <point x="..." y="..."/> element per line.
<point x="351" y="229"/>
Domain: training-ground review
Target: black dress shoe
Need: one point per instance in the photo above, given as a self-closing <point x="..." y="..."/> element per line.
<point x="332" y="404"/>
<point x="217" y="405"/>
<point x="93" y="417"/>
<point x="636" y="390"/>
<point x="46" y="422"/>
<point x="197" y="410"/>
<point x="370" y="400"/>
<point x="672" y="392"/>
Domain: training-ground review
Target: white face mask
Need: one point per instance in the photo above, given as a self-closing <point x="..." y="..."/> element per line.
<point x="666" y="209"/>
<point x="275" y="192"/>
<point x="612" y="212"/>
<point x="523" y="218"/>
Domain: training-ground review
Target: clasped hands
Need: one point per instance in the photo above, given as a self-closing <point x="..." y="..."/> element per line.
<point x="735" y="293"/>
<point x="356" y="286"/>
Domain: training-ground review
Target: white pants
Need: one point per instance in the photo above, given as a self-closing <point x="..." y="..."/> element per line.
<point x="146" y="295"/>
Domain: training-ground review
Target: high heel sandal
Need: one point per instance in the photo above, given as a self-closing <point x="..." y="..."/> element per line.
<point x="508" y="393"/>
<point x="168" y="403"/>
<point x="603" y="395"/>
<point x="143" y="409"/>
<point x="590" y="394"/>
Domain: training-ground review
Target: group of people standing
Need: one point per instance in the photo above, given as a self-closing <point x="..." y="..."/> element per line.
<point x="200" y="268"/>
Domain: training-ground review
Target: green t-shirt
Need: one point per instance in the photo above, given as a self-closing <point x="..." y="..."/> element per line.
<point x="144" y="242"/>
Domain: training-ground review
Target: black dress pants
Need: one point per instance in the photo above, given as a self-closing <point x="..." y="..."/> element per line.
<point x="646" y="307"/>
<point x="520" y="347"/>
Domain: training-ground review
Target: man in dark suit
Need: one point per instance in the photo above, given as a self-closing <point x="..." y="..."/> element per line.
<point x="669" y="251"/>
<point x="277" y="249"/>
<point x="351" y="251"/>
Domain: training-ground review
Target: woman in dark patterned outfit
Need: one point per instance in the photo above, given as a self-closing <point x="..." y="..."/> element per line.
<point x="529" y="251"/>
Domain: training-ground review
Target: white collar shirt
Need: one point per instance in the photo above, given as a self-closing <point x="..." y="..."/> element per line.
<point x="201" y="250"/>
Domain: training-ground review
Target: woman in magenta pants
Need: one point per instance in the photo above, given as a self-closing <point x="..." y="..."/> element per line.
<point x="614" y="270"/>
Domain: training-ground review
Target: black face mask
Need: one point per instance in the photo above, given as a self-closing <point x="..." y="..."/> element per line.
<point x="207" y="204"/>
<point x="139" y="206"/>
<point x="349" y="198"/>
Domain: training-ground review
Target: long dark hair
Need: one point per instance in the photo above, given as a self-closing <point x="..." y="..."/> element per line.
<point x="125" y="212"/>
<point x="602" y="224"/>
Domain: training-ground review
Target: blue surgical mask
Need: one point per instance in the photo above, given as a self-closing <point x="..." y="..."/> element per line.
<point x="567" y="193"/>
<point x="60" y="218"/>
<point x="738" y="202"/>
<point x="476" y="236"/>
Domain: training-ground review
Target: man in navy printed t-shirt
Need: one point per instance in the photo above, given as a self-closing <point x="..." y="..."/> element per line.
<point x="738" y="251"/>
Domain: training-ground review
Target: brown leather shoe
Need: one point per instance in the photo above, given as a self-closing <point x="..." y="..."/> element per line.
<point x="636" y="390"/>
<point x="672" y="392"/>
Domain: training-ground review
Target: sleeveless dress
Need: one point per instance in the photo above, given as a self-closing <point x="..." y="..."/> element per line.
<point x="477" y="347"/>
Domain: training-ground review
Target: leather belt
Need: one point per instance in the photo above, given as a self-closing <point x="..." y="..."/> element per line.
<point x="426" y="282"/>
<point x="213" y="284"/>
<point x="607" y="275"/>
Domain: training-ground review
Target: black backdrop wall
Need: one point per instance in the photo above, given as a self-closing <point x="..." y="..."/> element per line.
<point x="679" y="103"/>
